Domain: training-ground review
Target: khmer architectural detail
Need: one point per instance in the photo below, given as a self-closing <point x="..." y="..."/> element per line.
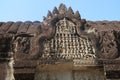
<point x="61" y="47"/>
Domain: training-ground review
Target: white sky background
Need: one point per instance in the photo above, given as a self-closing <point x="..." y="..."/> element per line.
<point x="32" y="10"/>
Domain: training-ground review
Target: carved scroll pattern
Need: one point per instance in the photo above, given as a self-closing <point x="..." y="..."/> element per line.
<point x="67" y="45"/>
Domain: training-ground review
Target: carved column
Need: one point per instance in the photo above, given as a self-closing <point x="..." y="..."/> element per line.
<point x="6" y="58"/>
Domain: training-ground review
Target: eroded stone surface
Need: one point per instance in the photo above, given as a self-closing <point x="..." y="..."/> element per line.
<point x="61" y="37"/>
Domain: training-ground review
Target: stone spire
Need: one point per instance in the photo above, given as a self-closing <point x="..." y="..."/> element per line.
<point x="77" y="15"/>
<point x="49" y="15"/>
<point x="70" y="11"/>
<point x="62" y="11"/>
<point x="62" y="8"/>
<point x="55" y="11"/>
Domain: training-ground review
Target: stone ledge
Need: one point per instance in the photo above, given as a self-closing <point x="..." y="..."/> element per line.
<point x="24" y="70"/>
<point x="112" y="67"/>
<point x="25" y="64"/>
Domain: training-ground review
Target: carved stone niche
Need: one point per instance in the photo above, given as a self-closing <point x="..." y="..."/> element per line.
<point x="21" y="45"/>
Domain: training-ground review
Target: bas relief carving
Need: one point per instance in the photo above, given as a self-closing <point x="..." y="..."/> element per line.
<point x="64" y="35"/>
<point x="61" y="36"/>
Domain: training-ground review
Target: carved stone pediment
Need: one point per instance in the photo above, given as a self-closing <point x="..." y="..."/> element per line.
<point x="66" y="44"/>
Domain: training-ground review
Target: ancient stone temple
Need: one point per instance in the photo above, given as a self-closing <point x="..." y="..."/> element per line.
<point x="61" y="47"/>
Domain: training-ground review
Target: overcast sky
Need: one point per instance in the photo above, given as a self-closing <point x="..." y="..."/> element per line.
<point x="32" y="10"/>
